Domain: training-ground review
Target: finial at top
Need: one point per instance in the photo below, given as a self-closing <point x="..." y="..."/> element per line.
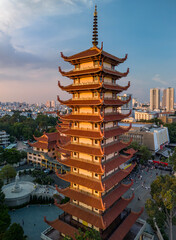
<point x="95" y="29"/>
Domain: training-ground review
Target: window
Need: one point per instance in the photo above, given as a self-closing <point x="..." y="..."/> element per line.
<point x="74" y="153"/>
<point x="115" y="123"/>
<point x="100" y="79"/>
<point x="75" y="139"/>
<point x="75" y="124"/>
<point x="115" y="138"/>
<point x="102" y="142"/>
<point x="96" y="78"/>
<point x="95" y="94"/>
<point x="77" y="66"/>
<point x="76" y="109"/>
<point x="75" y="185"/>
<point x="96" y="109"/>
<point x="76" y="80"/>
<point x="112" y="67"/>
<point x="114" y="109"/>
<point x="96" y="175"/>
<point x="96" y="158"/>
<point x="96" y="125"/>
<point x="96" y="63"/>
<point x="96" y="142"/>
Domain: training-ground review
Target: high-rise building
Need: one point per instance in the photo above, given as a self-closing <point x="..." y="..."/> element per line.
<point x="168" y="99"/>
<point x="154" y="98"/>
<point x="48" y="104"/>
<point x="53" y="104"/>
<point x="94" y="153"/>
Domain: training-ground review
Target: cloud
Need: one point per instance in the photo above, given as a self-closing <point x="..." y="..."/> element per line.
<point x="157" y="79"/>
<point x="19" y="13"/>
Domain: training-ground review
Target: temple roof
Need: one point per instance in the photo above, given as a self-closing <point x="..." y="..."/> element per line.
<point x="116" y="162"/>
<point x="49" y="137"/>
<point x="94" y="70"/>
<point x="125" y="226"/>
<point x="82" y="117"/>
<point x="83" y="197"/>
<point x="82" y="180"/>
<point x="90" y="53"/>
<point x="130" y="151"/>
<point x="83" y="213"/>
<point x="88" y="149"/>
<point x="84" y="133"/>
<point x="115" y="147"/>
<point x="114" y="195"/>
<point x="117" y="177"/>
<point x="93" y="86"/>
<point x="115" y="116"/>
<point x="83" y="164"/>
<point x="113" y="212"/>
<point x="94" y="102"/>
<point x="116" y="131"/>
<point x="63" y="227"/>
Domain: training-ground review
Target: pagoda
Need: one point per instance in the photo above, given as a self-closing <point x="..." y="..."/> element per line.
<point x="94" y="153"/>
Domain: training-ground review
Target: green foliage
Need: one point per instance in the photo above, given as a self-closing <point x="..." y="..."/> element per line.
<point x="145" y="154"/>
<point x="172" y="131"/>
<point x="172" y="160"/>
<point x="23" y="127"/>
<point x="11" y="156"/>
<point x="135" y="145"/>
<point x="88" y="234"/>
<point x="7" y="172"/>
<point x="14" y="232"/>
<point x="163" y="202"/>
<point x="41" y="177"/>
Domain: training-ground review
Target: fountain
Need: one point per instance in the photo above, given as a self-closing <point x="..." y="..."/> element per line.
<point x="18" y="192"/>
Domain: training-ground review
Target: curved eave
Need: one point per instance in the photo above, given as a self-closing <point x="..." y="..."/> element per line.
<point x="116" y="147"/>
<point x="117" y="87"/>
<point x="82" y="148"/>
<point x="125" y="226"/>
<point x="63" y="227"/>
<point x="82" y="118"/>
<point x="116" y="116"/>
<point x="83" y="214"/>
<point x="80" y="102"/>
<point x="116" y="102"/>
<point x="82" y="180"/>
<point x="88" y="72"/>
<point x="84" y="133"/>
<point x="92" y="53"/>
<point x="86" y="165"/>
<point x="82" y="197"/>
<point x="116" y="132"/>
<point x="39" y="145"/>
<point x="72" y="88"/>
<point x="116" y="210"/>
<point x="117" y="177"/>
<point x="110" y="198"/>
<point x="116" y="162"/>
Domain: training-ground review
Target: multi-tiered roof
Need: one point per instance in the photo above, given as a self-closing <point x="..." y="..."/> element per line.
<point x="94" y="154"/>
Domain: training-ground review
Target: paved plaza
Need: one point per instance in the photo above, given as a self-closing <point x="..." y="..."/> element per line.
<point x="32" y="217"/>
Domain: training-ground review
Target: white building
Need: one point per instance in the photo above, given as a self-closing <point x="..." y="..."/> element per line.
<point x="4" y="139"/>
<point x="140" y="115"/>
<point x="154" y="98"/>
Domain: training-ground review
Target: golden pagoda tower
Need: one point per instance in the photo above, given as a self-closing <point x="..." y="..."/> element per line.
<point x="94" y="152"/>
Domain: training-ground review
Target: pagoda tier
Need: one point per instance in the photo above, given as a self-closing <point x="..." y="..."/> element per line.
<point x="83" y="197"/>
<point x="94" y="102"/>
<point x="93" y="53"/>
<point x="93" y="86"/>
<point x="101" y="71"/>
<point x="93" y="218"/>
<point x="88" y="149"/>
<point x="95" y="118"/>
<point x="82" y="180"/>
<point x="125" y="226"/>
<point x="84" y="133"/>
<point x="83" y="164"/>
<point x="116" y="177"/>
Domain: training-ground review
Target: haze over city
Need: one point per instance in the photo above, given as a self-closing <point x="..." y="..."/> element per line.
<point x="33" y="33"/>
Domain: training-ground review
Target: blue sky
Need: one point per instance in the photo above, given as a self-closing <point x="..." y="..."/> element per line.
<point x="34" y="32"/>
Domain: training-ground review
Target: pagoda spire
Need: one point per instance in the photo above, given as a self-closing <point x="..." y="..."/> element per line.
<point x="95" y="29"/>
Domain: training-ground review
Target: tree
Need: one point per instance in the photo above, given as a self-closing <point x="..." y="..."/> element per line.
<point x="88" y="234"/>
<point x="11" y="156"/>
<point x="14" y="232"/>
<point x="135" y="145"/>
<point x="163" y="202"/>
<point x="7" y="172"/>
<point x="172" y="160"/>
<point x="145" y="154"/>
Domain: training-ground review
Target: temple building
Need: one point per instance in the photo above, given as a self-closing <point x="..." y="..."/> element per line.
<point x="43" y="152"/>
<point x="93" y="150"/>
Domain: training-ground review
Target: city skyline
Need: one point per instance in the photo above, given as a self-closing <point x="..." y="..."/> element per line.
<point x="32" y="33"/>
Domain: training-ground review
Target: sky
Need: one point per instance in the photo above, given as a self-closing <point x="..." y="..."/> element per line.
<point x="34" y="32"/>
